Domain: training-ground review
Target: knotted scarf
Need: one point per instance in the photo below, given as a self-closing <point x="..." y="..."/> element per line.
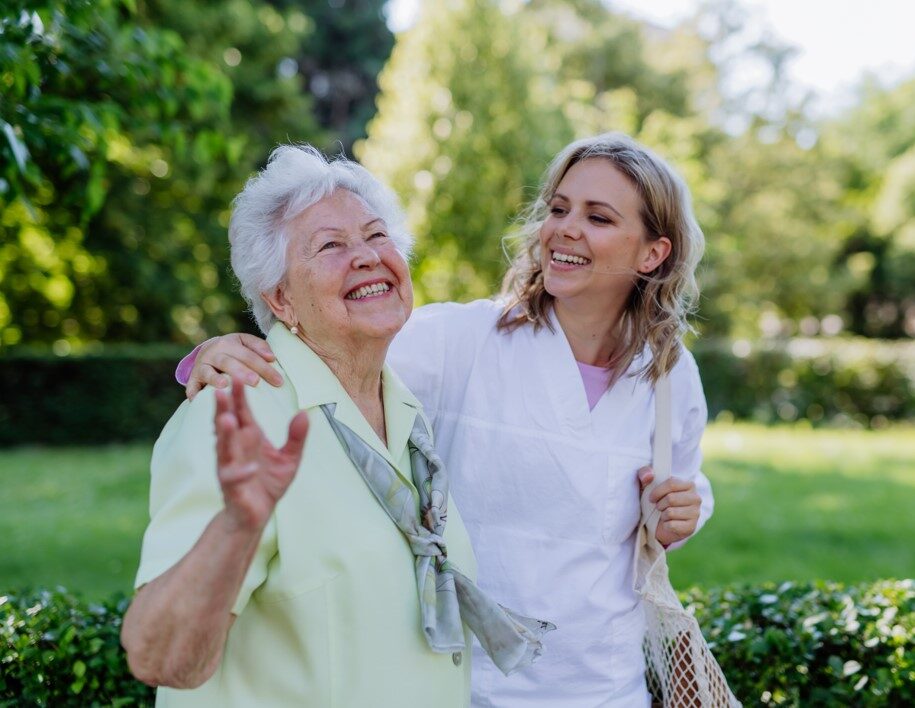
<point x="446" y="596"/>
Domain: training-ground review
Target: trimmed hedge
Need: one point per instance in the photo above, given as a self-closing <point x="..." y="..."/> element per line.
<point x="120" y="393"/>
<point x="838" y="381"/>
<point x="127" y="392"/>
<point x="814" y="644"/>
<point x="56" y="650"/>
<point x="810" y="644"/>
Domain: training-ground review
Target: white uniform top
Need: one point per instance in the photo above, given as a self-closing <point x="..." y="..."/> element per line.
<point x="548" y="491"/>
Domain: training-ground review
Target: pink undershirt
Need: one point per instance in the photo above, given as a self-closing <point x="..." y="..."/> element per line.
<point x="596" y="380"/>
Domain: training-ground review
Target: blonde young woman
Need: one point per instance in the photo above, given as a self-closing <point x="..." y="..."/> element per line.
<point x="542" y="407"/>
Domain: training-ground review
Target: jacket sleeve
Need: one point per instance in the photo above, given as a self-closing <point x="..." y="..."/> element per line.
<point x="691" y="416"/>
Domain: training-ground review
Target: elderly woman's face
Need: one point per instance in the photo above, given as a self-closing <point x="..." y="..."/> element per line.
<point x="345" y="279"/>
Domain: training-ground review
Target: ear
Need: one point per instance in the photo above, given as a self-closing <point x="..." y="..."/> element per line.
<point x="280" y="305"/>
<point x="654" y="254"/>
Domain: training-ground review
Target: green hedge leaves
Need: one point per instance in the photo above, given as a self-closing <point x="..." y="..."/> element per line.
<point x="128" y="392"/>
<point x="809" y="644"/>
<point x="56" y="650"/>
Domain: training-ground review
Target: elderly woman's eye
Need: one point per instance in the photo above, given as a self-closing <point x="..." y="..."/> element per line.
<point x="379" y="234"/>
<point x="329" y="245"/>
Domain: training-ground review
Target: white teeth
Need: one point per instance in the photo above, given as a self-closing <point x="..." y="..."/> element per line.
<point x="566" y="258"/>
<point x="367" y="290"/>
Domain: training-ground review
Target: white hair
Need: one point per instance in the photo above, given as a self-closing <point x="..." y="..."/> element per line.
<point x="295" y="178"/>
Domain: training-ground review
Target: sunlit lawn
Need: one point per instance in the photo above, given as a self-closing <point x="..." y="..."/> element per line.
<point x="791" y="504"/>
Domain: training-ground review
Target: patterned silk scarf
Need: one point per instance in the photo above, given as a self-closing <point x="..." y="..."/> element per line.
<point x="446" y="596"/>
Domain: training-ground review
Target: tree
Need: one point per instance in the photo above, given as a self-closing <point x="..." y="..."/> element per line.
<point x="85" y="88"/>
<point x="873" y="147"/>
<point x="341" y="62"/>
<point x="465" y="126"/>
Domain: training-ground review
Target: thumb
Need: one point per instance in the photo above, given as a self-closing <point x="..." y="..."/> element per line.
<point x="646" y="476"/>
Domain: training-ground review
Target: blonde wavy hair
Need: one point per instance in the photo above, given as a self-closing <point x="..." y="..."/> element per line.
<point x="661" y="301"/>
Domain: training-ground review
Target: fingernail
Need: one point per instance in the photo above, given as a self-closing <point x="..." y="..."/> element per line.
<point x="251" y="380"/>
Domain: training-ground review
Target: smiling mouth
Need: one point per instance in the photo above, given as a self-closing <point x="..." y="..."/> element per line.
<point x="568" y="259"/>
<point x="367" y="291"/>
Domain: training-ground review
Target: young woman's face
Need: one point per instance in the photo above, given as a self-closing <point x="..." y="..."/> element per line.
<point x="593" y="242"/>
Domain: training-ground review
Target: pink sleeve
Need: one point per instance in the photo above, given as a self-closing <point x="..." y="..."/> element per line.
<point x="183" y="372"/>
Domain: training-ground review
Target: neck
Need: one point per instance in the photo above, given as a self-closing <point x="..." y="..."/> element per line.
<point x="357" y="367"/>
<point x="592" y="331"/>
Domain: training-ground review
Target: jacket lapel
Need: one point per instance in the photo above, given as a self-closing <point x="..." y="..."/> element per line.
<point x="315" y="384"/>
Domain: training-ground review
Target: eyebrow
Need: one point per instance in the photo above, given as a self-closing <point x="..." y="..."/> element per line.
<point x="337" y="229"/>
<point x="592" y="202"/>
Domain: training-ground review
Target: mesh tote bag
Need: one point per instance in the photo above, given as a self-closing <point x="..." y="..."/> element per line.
<point x="681" y="671"/>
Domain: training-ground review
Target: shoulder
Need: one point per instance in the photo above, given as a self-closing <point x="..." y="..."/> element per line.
<point x="686" y="385"/>
<point x="479" y="313"/>
<point x="449" y="324"/>
<point x="193" y="425"/>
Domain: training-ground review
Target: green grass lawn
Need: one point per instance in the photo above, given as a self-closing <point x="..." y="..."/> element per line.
<point x="791" y="503"/>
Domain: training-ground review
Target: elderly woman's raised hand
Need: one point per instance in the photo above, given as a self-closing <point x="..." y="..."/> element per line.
<point x="238" y="355"/>
<point x="253" y="474"/>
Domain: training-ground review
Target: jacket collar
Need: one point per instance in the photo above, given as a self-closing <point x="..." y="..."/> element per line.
<point x="315" y="385"/>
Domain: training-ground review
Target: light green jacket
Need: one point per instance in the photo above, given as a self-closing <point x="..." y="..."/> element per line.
<point x="328" y="614"/>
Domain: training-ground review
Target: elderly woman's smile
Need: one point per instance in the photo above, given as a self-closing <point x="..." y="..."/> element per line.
<point x="345" y="280"/>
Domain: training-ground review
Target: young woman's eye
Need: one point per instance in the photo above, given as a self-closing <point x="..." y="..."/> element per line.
<point x="557" y="210"/>
<point x="598" y="219"/>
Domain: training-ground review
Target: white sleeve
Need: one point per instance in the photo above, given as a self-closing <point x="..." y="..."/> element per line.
<point x="690" y="417"/>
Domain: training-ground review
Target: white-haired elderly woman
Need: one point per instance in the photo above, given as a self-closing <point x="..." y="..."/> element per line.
<point x="275" y="572"/>
<point x="542" y="403"/>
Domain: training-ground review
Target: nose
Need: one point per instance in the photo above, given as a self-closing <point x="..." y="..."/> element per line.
<point x="570" y="228"/>
<point x="365" y="257"/>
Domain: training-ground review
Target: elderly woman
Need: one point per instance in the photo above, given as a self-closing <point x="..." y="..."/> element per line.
<point x="323" y="574"/>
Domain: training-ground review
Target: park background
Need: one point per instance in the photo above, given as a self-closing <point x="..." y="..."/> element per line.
<point x="127" y="126"/>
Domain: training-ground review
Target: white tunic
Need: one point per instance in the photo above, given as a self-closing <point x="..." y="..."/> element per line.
<point x="548" y="491"/>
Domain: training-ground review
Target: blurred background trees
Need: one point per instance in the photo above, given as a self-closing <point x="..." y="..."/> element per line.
<point x="126" y="126"/>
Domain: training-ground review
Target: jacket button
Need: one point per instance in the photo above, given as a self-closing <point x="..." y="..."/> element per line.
<point x="456" y="658"/>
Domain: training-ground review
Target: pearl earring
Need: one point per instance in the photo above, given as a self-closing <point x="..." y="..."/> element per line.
<point x="294" y="329"/>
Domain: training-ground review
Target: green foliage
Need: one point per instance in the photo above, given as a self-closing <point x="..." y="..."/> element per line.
<point x="854" y="382"/>
<point x="813" y="644"/>
<point x="873" y="150"/>
<point x="118" y="393"/>
<point x="462" y="131"/>
<point x="341" y="62"/>
<point x="58" y="650"/>
<point x="89" y="88"/>
<point x="793" y="644"/>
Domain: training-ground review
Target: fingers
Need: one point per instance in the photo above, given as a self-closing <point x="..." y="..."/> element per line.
<point x="298" y="432"/>
<point x="226" y="425"/>
<point x="237" y="366"/>
<point x="668" y="486"/>
<point x="680" y="513"/>
<point x="673" y="531"/>
<point x="257" y="345"/>
<point x="646" y="477"/>
<point x="242" y="412"/>
<point x="678" y="499"/>
<point x="252" y="361"/>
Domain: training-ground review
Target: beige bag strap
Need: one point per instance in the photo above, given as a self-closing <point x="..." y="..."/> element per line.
<point x="662" y="450"/>
<point x="661" y="456"/>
